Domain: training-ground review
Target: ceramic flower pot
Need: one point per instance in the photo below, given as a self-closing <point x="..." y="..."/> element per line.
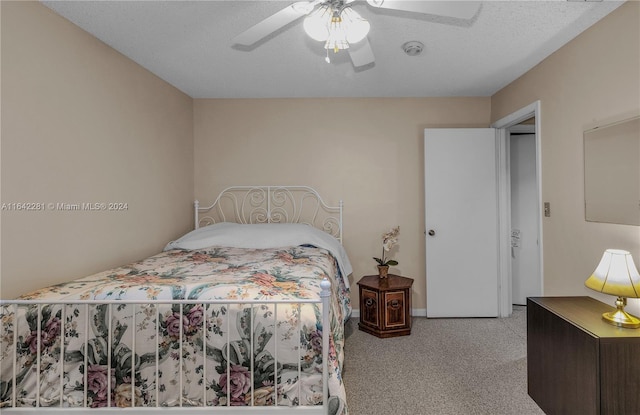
<point x="383" y="271"/>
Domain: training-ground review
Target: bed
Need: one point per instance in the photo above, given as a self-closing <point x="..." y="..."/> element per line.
<point x="230" y="318"/>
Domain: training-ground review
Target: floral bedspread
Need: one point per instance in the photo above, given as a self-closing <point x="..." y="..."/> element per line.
<point x="204" y="351"/>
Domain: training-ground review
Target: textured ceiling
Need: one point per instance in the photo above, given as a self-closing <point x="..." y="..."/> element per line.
<point x="188" y="44"/>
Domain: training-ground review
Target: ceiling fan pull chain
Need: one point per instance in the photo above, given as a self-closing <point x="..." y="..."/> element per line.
<point x="327" y="58"/>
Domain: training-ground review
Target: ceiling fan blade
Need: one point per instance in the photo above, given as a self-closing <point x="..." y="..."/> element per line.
<point x="455" y="9"/>
<point x="361" y="53"/>
<point x="274" y="22"/>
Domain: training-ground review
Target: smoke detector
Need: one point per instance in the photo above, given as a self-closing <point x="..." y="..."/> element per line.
<point x="413" y="47"/>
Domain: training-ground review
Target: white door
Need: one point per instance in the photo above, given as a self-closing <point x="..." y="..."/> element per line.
<point x="461" y="218"/>
<point x="525" y="261"/>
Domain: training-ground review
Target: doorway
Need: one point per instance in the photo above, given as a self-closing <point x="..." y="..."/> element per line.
<point x="524" y="213"/>
<point x="509" y="220"/>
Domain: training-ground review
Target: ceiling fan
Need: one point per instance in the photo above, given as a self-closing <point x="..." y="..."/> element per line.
<point x="341" y="28"/>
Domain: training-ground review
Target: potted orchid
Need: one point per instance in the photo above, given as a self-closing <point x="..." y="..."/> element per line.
<point x="389" y="240"/>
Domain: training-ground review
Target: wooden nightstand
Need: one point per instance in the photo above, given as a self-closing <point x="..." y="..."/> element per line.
<point x="385" y="305"/>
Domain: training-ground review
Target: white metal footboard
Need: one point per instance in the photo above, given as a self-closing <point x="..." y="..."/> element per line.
<point x="58" y="401"/>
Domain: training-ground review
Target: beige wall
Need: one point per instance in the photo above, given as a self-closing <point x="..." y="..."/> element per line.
<point x="367" y="152"/>
<point x="82" y="123"/>
<point x="592" y="81"/>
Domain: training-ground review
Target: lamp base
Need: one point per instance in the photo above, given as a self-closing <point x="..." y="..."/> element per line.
<point x="620" y="317"/>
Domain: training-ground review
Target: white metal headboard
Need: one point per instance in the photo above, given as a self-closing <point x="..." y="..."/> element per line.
<point x="272" y="204"/>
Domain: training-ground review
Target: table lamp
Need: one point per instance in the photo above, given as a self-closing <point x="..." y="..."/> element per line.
<point x="617" y="275"/>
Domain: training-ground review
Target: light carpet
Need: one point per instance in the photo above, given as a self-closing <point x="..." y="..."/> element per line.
<point x="445" y="367"/>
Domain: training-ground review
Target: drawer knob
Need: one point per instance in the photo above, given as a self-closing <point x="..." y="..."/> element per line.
<point x="368" y="302"/>
<point x="395" y="304"/>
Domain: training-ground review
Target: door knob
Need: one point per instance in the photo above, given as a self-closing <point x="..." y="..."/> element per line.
<point x="431" y="232"/>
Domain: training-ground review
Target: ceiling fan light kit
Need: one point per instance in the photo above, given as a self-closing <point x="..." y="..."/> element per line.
<point x="339" y="26"/>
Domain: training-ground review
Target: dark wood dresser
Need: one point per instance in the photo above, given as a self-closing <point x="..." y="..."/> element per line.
<point x="385" y="305"/>
<point x="576" y="362"/>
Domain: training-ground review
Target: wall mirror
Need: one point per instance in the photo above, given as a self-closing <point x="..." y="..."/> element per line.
<point x="612" y="173"/>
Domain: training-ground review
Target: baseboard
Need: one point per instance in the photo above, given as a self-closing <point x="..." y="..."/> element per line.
<point x="415" y="312"/>
<point x="419" y="312"/>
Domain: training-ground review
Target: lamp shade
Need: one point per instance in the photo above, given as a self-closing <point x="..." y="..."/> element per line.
<point x="337" y="39"/>
<point x="317" y="23"/>
<point x="357" y="27"/>
<point x="616" y="274"/>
